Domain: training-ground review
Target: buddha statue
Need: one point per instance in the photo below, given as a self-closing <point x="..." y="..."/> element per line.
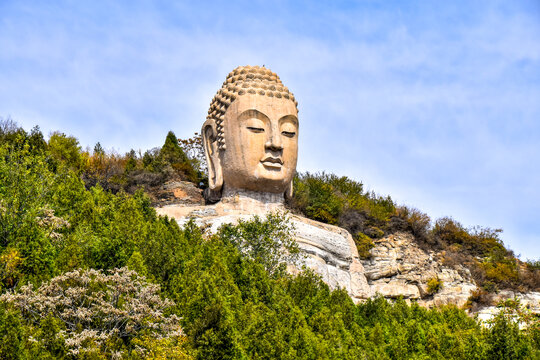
<point x="250" y="138"/>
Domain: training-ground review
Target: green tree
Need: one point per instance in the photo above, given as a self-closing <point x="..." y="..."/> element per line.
<point x="131" y="163"/>
<point x="98" y="150"/>
<point x="171" y="152"/>
<point x="27" y="186"/>
<point x="65" y="149"/>
<point x="505" y="340"/>
<point x="11" y="334"/>
<point x="267" y="242"/>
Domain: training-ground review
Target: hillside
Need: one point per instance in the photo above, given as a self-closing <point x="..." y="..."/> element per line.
<point x="109" y="278"/>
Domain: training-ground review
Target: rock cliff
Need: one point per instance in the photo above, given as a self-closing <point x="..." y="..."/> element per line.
<point x="398" y="267"/>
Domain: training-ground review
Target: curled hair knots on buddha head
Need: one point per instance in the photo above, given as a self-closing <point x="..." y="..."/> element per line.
<point x="245" y="80"/>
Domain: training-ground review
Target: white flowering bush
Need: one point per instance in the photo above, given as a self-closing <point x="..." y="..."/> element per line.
<point x="97" y="307"/>
<point x="51" y="223"/>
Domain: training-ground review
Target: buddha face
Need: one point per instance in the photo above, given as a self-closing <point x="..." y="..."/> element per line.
<point x="261" y="137"/>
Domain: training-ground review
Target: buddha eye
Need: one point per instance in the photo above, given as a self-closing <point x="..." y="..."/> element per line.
<point x="256" y="129"/>
<point x="288" y="133"/>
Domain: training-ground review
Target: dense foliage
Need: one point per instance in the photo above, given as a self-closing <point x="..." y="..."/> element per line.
<point x="233" y="299"/>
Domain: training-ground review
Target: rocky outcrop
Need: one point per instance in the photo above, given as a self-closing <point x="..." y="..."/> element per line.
<point x="398" y="267"/>
<point x="177" y="192"/>
<point x="330" y="252"/>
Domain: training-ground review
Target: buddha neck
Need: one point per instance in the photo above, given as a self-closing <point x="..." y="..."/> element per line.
<point x="255" y="202"/>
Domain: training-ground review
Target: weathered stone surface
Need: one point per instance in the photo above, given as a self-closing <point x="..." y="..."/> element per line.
<point x="487" y="313"/>
<point x="398" y="267"/>
<point x="332" y="254"/>
<point x="395" y="288"/>
<point x="331" y="243"/>
<point x="531" y="301"/>
<point x="178" y="192"/>
<point x="360" y="288"/>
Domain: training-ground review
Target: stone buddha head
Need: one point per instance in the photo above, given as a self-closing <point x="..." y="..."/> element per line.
<point x="250" y="136"/>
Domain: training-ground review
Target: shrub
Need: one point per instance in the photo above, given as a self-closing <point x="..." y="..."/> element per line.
<point x="131" y="163"/>
<point x="194" y="149"/>
<point x="172" y="347"/>
<point x="434" y="285"/>
<point x="453" y="257"/>
<point x="533" y="264"/>
<point x="315" y="198"/>
<point x="364" y="243"/>
<point x="10" y="271"/>
<point x="529" y="277"/>
<point x="343" y="202"/>
<point x="151" y="160"/>
<point x="104" y="169"/>
<point x="478" y="241"/>
<point x="27" y="185"/>
<point x="354" y="221"/>
<point x="416" y="222"/>
<point x="479" y="298"/>
<point x="8" y="127"/>
<point x="503" y="272"/>
<point x="171" y="153"/>
<point x="128" y="172"/>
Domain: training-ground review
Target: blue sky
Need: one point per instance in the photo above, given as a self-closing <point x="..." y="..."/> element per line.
<point x="434" y="103"/>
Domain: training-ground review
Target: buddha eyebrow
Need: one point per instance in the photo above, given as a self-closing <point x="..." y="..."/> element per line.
<point x="289" y="117"/>
<point x="252" y="113"/>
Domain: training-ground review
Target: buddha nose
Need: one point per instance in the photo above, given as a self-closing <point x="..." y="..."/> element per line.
<point x="274" y="142"/>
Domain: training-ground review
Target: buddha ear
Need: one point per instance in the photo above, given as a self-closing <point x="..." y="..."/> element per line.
<point x="211" y="152"/>
<point x="289" y="191"/>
